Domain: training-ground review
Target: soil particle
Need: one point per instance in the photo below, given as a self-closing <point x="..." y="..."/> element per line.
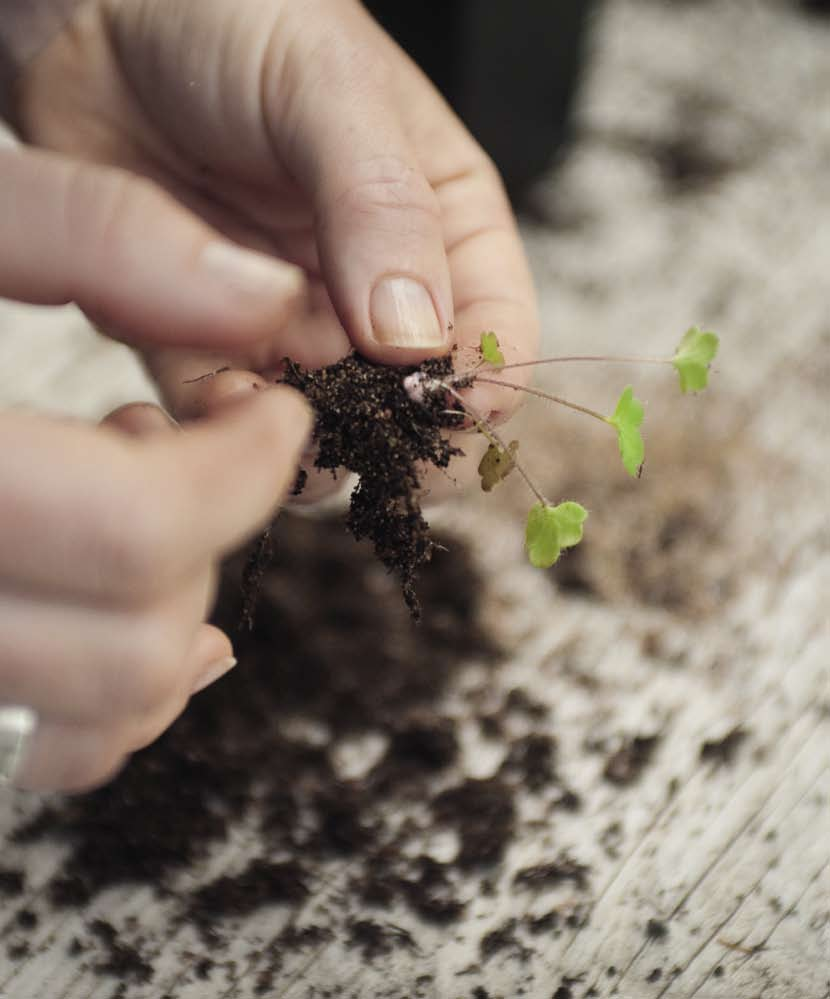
<point x="626" y="764"/>
<point x="556" y="872"/>
<point x="261" y="883"/>
<point x="656" y="929"/>
<point x="19" y="950"/>
<point x="503" y="938"/>
<point x="374" y="939"/>
<point x="483" y="814"/>
<point x="722" y="751"/>
<point x="26" y="919"/>
<point x="547" y="922"/>
<point x="12" y="882"/>
<point x="121" y="960"/>
<point x="531" y="759"/>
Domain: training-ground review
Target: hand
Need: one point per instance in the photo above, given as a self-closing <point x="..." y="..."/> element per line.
<point x="109" y="541"/>
<point x="297" y="129"/>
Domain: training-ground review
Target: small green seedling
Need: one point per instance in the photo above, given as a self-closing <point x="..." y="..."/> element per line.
<point x="553" y="527"/>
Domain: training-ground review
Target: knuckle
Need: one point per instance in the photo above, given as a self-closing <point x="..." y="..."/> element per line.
<point x="388" y="184"/>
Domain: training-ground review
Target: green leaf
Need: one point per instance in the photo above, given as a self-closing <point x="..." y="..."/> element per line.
<point x="496" y="464"/>
<point x="490" y="349"/>
<point x="627" y="418"/>
<point x="552" y="528"/>
<point x="692" y="358"/>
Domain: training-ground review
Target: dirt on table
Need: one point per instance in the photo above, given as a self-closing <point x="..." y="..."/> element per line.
<point x="334" y="656"/>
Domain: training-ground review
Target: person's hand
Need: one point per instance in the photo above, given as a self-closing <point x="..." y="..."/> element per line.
<point x="109" y="539"/>
<point x="296" y="128"/>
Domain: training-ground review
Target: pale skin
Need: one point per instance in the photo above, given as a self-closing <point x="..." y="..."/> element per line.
<point x="172" y="134"/>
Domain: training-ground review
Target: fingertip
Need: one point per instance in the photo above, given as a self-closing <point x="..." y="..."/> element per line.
<point x="139" y="419"/>
<point x="225" y="388"/>
<point x="406" y="320"/>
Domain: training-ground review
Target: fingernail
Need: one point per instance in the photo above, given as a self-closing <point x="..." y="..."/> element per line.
<point x="16" y="727"/>
<point x="249" y="272"/>
<point x="213" y="672"/>
<point x="403" y="314"/>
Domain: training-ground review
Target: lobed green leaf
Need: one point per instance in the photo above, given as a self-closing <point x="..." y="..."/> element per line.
<point x="627" y="419"/>
<point x="550" y="529"/>
<point x="691" y="360"/>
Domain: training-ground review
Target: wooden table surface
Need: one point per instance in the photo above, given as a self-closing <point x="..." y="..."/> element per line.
<point x="697" y="190"/>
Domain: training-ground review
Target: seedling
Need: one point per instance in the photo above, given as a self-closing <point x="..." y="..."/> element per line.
<point x="554" y="527"/>
<point x="385" y="425"/>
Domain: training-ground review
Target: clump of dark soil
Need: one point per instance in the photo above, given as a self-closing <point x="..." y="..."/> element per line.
<point x="12" y="882"/>
<point x="365" y="422"/>
<point x="121" y="960"/>
<point x="374" y="939"/>
<point x="553" y="873"/>
<point x="656" y="929"/>
<point x="625" y="765"/>
<point x="722" y="751"/>
<point x="261" y="883"/>
<point x="483" y="814"/>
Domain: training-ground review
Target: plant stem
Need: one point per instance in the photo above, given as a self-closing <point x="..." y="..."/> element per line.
<point x="566" y="358"/>
<point x="545" y="395"/>
<point x="493" y="437"/>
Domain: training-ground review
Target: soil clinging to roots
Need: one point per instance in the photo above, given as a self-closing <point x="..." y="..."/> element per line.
<point x="367" y="423"/>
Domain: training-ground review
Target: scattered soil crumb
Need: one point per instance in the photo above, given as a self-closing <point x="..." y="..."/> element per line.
<point x="503" y="938"/>
<point x="722" y="751"/>
<point x="556" y="872"/>
<point x="374" y="939"/>
<point x="261" y="883"/>
<point x="626" y="764"/>
<point x="483" y="814"/>
<point x="656" y="929"/>
<point x="532" y="760"/>
<point x="121" y="959"/>
<point x="12" y="882"/>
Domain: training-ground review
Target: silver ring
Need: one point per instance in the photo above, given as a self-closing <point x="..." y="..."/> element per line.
<point x="16" y="726"/>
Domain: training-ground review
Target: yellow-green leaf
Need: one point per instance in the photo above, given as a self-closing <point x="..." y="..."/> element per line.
<point x="490" y="349"/>
<point x="496" y="464"/>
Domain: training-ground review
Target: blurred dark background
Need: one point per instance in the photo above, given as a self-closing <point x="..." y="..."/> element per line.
<point x="509" y="70"/>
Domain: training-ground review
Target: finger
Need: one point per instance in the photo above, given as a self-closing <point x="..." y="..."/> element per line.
<point x="139" y="419"/>
<point x="79" y="664"/>
<point x="378" y="222"/>
<point x="189" y="382"/>
<point x="212" y="657"/>
<point x="491" y="280"/>
<point x="169" y="278"/>
<point x="116" y="519"/>
<point x="69" y="758"/>
<point x="195" y="386"/>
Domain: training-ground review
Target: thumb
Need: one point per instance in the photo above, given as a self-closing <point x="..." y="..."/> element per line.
<point x="377" y="218"/>
<point x="130" y="256"/>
